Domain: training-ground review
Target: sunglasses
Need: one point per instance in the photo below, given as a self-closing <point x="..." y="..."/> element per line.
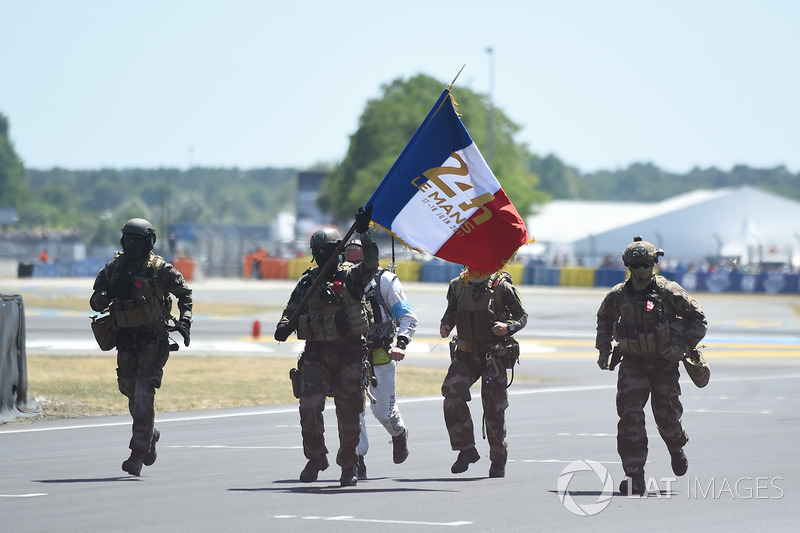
<point x="641" y="265"/>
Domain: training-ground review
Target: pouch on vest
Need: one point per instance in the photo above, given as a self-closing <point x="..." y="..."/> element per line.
<point x="104" y="332"/>
<point x="511" y="356"/>
<point x="294" y="377"/>
<point x="318" y="327"/>
<point x="357" y="319"/>
<point x="136" y="312"/>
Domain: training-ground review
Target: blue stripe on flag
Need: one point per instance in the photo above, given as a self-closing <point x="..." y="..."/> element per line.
<point x="439" y="135"/>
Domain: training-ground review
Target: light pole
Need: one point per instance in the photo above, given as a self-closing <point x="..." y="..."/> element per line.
<point x="490" y="141"/>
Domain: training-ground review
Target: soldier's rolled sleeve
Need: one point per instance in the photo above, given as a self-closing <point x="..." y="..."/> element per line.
<point x="690" y="311"/>
<point x="518" y="318"/>
<point x="99" y="300"/>
<point x="174" y="282"/>
<point x="606" y="316"/>
<point x="449" y="317"/>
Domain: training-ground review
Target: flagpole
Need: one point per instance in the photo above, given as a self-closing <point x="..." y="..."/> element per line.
<point x="454" y="79"/>
<point x="431" y="114"/>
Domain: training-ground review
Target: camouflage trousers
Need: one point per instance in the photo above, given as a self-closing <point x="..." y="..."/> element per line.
<point x="465" y="369"/>
<point x="141" y="356"/>
<point x="331" y="368"/>
<point x="638" y="380"/>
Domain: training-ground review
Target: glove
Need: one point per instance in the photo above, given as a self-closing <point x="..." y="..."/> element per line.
<point x="674" y="353"/>
<point x="602" y="360"/>
<point x="183" y="327"/>
<point x="363" y="218"/>
<point x="283" y="331"/>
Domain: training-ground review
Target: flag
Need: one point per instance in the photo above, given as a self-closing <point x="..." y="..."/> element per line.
<point x="441" y="197"/>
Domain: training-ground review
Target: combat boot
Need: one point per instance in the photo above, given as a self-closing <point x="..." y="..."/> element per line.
<point x="150" y="457"/>
<point x="636" y="483"/>
<point x="313" y="468"/>
<point x="465" y="458"/>
<point x="362" y="468"/>
<point x="680" y="464"/>
<point x="349" y="476"/>
<point x="133" y="464"/>
<point x="400" y="447"/>
<point x="498" y="469"/>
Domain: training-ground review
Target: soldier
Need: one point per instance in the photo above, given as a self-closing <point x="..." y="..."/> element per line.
<point x="655" y="324"/>
<point x="487" y="311"/>
<point x="135" y="288"/>
<point x="333" y="325"/>
<point x="392" y="316"/>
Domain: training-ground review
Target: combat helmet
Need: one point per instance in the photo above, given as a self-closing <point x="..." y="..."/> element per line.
<point x="325" y="236"/>
<point x="323" y="244"/>
<point x="640" y="251"/>
<point x="140" y="226"/>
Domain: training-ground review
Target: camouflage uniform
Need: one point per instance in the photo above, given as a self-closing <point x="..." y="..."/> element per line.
<point x="333" y="366"/>
<point x="481" y="355"/>
<point x="653" y="327"/>
<point x="142" y="350"/>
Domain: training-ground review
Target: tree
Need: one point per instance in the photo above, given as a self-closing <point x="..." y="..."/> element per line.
<point x="388" y="123"/>
<point x="559" y="180"/>
<point x="12" y="171"/>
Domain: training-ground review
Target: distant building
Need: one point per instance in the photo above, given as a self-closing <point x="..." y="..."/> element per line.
<point x="309" y="216"/>
<point x="742" y="223"/>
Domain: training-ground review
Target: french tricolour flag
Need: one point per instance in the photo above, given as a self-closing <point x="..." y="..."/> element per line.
<point x="441" y="197"/>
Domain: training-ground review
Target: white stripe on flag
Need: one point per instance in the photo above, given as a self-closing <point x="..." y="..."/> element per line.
<point x="435" y="212"/>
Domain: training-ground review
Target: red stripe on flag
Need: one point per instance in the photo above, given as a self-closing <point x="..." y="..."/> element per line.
<point x="486" y="246"/>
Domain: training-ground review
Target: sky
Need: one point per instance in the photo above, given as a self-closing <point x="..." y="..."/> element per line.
<point x="89" y="84"/>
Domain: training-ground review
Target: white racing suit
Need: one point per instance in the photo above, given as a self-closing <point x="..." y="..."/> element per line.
<point x="396" y="317"/>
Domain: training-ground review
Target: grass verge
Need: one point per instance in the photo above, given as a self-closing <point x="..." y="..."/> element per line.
<point x="199" y="308"/>
<point x="67" y="386"/>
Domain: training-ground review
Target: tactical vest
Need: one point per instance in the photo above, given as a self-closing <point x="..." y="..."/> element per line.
<point x="332" y="313"/>
<point x="147" y="304"/>
<point x="478" y="308"/>
<point x="643" y="326"/>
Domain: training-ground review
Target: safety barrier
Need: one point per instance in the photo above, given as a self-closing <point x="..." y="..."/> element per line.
<point x="438" y="271"/>
<point x="273" y="268"/>
<point x="517" y="271"/>
<point x="297" y="266"/>
<point x="577" y="277"/>
<point x="185" y="266"/>
<point x="408" y="270"/>
<point x="86" y="268"/>
<point x="541" y="275"/>
<point x="608" y="277"/>
<point x="13" y="363"/>
<point x="766" y="282"/>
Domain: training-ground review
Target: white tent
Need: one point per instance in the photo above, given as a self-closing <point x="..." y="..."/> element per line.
<point x="747" y="223"/>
